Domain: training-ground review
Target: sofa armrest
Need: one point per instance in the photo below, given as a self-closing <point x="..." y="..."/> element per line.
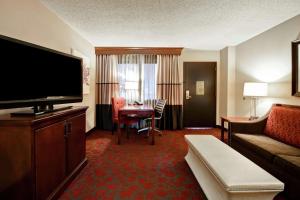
<point x="251" y="127"/>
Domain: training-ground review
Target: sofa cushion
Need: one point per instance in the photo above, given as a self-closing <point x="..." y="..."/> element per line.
<point x="265" y="146"/>
<point x="283" y="124"/>
<point x="289" y="164"/>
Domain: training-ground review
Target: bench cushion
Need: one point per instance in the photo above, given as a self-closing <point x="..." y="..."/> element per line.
<point x="234" y="171"/>
<point x="283" y="125"/>
<point x="265" y="146"/>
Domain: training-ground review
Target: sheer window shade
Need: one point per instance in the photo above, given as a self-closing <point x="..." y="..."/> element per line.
<point x="139" y="72"/>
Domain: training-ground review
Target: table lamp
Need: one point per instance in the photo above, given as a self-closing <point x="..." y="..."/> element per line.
<point x="254" y="90"/>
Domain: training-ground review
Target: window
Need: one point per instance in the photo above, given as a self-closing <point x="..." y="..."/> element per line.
<point x="137" y="77"/>
<point x="149" y="81"/>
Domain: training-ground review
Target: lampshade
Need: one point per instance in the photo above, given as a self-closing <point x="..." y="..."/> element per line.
<point x="131" y="85"/>
<point x="252" y="89"/>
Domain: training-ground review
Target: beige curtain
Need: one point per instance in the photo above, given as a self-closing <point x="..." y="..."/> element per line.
<point x="149" y="83"/>
<point x="107" y="86"/>
<point x="169" y="87"/>
<point x="112" y="71"/>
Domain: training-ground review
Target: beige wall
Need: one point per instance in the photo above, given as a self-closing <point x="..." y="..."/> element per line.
<point x="31" y="21"/>
<point x="267" y="58"/>
<point x="227" y="80"/>
<point x="231" y="81"/>
<point x="224" y="81"/>
<point x="190" y="55"/>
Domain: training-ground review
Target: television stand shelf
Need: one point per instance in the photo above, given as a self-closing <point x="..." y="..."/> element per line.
<point x="41" y="155"/>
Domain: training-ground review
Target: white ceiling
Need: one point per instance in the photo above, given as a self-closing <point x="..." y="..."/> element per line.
<point x="196" y="24"/>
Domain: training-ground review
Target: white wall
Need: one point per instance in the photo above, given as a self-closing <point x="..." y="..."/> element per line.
<point x="190" y="55"/>
<point x="31" y="21"/>
<point x="267" y="58"/>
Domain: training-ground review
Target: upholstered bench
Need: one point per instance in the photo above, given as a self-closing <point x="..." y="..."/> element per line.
<point x="223" y="173"/>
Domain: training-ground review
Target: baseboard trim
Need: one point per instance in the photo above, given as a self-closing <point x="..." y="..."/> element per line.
<point x="219" y="126"/>
<point x="90" y="132"/>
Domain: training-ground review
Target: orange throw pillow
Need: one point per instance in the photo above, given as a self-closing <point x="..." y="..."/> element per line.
<point x="283" y="124"/>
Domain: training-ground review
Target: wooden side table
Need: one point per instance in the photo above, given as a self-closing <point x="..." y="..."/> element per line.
<point x="229" y="120"/>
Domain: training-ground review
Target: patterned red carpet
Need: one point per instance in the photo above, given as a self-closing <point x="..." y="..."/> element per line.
<point x="137" y="170"/>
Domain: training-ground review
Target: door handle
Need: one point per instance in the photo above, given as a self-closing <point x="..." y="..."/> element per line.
<point x="187" y="94"/>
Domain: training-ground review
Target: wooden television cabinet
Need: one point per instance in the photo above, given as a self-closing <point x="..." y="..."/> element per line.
<point x="39" y="156"/>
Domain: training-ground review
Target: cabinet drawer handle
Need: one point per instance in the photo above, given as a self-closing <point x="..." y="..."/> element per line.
<point x="66" y="131"/>
<point x="69" y="127"/>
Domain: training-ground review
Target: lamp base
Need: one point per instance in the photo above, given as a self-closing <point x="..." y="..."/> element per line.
<point x="253" y="117"/>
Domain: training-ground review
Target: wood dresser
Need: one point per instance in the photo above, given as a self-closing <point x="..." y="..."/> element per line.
<point x="39" y="156"/>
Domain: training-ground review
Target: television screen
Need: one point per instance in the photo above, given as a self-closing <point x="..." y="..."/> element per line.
<point x="32" y="75"/>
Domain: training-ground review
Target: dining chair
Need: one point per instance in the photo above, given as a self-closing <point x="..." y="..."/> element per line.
<point x="117" y="103"/>
<point x="159" y="110"/>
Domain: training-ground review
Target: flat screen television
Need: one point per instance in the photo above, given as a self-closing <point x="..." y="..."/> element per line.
<point x="36" y="76"/>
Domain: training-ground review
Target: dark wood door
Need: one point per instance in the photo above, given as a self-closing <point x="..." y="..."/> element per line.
<point x="199" y="109"/>
<point x="75" y="142"/>
<point x="50" y="158"/>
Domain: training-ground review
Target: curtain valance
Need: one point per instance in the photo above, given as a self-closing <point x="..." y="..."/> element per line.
<point x="138" y="50"/>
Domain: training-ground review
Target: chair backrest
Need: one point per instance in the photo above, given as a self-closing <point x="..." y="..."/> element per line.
<point x="159" y="107"/>
<point x="117" y="103"/>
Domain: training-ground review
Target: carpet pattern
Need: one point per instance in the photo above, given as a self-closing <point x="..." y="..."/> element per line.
<point x="137" y="170"/>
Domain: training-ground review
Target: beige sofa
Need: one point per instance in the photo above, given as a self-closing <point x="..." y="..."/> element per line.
<point x="273" y="142"/>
